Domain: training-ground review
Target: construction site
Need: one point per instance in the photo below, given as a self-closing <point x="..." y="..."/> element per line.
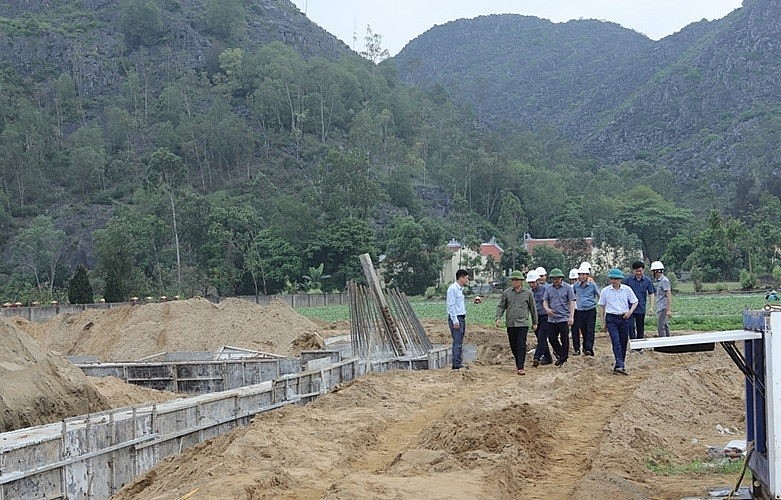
<point x="191" y="399"/>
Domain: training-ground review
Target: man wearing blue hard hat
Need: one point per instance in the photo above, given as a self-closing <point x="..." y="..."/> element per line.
<point x="617" y="302"/>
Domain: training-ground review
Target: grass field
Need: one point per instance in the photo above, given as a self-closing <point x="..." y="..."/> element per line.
<point x="691" y="312"/>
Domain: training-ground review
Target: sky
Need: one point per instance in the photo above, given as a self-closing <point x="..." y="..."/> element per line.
<point x="399" y="21"/>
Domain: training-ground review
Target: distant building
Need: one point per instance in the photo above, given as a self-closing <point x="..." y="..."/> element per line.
<point x="482" y="264"/>
<point x="530" y="243"/>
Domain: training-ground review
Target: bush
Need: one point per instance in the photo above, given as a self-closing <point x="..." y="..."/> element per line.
<point x="79" y="287"/>
<point x="748" y="280"/>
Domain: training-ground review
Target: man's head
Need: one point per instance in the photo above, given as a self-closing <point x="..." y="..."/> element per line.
<point x="583" y="272"/>
<point x="533" y="279"/>
<point x="556" y="275"/>
<point x="542" y="274"/>
<point x="462" y="277"/>
<point x="615" y="276"/>
<point x="638" y="268"/>
<point x="657" y="268"/>
<point x="516" y="279"/>
<point x="573" y="275"/>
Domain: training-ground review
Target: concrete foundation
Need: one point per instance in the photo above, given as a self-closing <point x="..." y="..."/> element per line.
<point x="93" y="456"/>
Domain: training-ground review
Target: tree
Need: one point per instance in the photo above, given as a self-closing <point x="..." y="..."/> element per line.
<point x="413" y="259"/>
<point x="225" y="19"/>
<point x="273" y="260"/>
<point x="140" y="22"/>
<point x="167" y="171"/>
<point x="653" y="219"/>
<point x="549" y="258"/>
<point x="512" y="220"/>
<point x="39" y="247"/>
<point x="372" y="43"/>
<point x="338" y="246"/>
<point x="347" y="188"/>
<point x="79" y="287"/>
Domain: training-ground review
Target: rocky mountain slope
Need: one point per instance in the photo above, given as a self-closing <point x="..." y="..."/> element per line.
<point x="703" y="102"/>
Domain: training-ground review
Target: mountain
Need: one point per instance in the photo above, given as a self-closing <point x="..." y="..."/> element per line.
<point x="703" y="103"/>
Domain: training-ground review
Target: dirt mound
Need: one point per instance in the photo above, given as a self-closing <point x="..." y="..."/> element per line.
<point x="38" y="387"/>
<point x="572" y="432"/>
<point x="130" y="332"/>
<point x="119" y="393"/>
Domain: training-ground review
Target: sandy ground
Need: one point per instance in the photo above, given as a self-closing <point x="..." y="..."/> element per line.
<point x="577" y="431"/>
<point x="572" y="432"/>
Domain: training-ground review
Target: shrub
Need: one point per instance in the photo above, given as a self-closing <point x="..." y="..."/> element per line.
<point x="79" y="287"/>
<point x="748" y="280"/>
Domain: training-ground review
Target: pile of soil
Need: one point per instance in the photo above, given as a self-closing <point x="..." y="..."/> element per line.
<point x="119" y="393"/>
<point x="38" y="387"/>
<point x="132" y="332"/>
<point x="572" y="432"/>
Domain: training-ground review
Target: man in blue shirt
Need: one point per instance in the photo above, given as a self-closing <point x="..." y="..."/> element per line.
<point x="456" y="315"/>
<point x="559" y="303"/>
<point x="586" y="297"/>
<point x="644" y="290"/>
<point x="542" y="354"/>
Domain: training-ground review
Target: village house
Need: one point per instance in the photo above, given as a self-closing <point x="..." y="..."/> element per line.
<point x="483" y="264"/>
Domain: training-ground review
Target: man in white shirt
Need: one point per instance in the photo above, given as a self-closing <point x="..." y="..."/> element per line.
<point x="456" y="315"/>
<point x="617" y="302"/>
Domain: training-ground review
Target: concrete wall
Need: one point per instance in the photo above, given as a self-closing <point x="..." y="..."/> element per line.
<point x="93" y="456"/>
<point x="45" y="313"/>
<point x="196" y="377"/>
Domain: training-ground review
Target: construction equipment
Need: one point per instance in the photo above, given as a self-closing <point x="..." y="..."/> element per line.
<point x="760" y="363"/>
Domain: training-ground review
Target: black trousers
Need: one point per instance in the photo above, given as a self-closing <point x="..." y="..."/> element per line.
<point x="517" y="337"/>
<point x="558" y="335"/>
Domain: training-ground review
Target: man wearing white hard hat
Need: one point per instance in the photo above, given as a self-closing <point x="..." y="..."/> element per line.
<point x="586" y="298"/>
<point x="664" y="299"/>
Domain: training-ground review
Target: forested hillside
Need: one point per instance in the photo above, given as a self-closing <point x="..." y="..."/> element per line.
<point x="703" y="103"/>
<point x="183" y="147"/>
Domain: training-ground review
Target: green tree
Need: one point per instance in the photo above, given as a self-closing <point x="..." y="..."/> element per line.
<point x="346" y="185"/>
<point x="140" y="22"/>
<point x="272" y="260"/>
<point x="653" y="219"/>
<point x="226" y="19"/>
<point x="79" y="287"/>
<point x="39" y="248"/>
<point x="338" y="245"/>
<point x="549" y="258"/>
<point x="372" y="43"/>
<point x="512" y="220"/>
<point x="167" y="171"/>
<point x="413" y="256"/>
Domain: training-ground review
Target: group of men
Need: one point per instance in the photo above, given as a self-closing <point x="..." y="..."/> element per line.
<point x="557" y="310"/>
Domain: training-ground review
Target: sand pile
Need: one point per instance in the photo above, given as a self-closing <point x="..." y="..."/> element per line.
<point x="119" y="393"/>
<point x="572" y="432"/>
<point x="132" y="332"/>
<point x="38" y="387"/>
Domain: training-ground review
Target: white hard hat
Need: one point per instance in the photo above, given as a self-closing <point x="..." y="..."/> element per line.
<point x="584" y="269"/>
<point x="657" y="266"/>
<point x="584" y="264"/>
<point x="532" y="276"/>
<point x="573" y="274"/>
<point x="541" y="271"/>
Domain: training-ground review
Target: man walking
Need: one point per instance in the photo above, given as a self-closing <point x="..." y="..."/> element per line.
<point x="456" y="316"/>
<point x="644" y="290"/>
<point x="617" y="302"/>
<point x="542" y="355"/>
<point x="664" y="299"/>
<point x="518" y="304"/>
<point x="559" y="303"/>
<point x="586" y="297"/>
